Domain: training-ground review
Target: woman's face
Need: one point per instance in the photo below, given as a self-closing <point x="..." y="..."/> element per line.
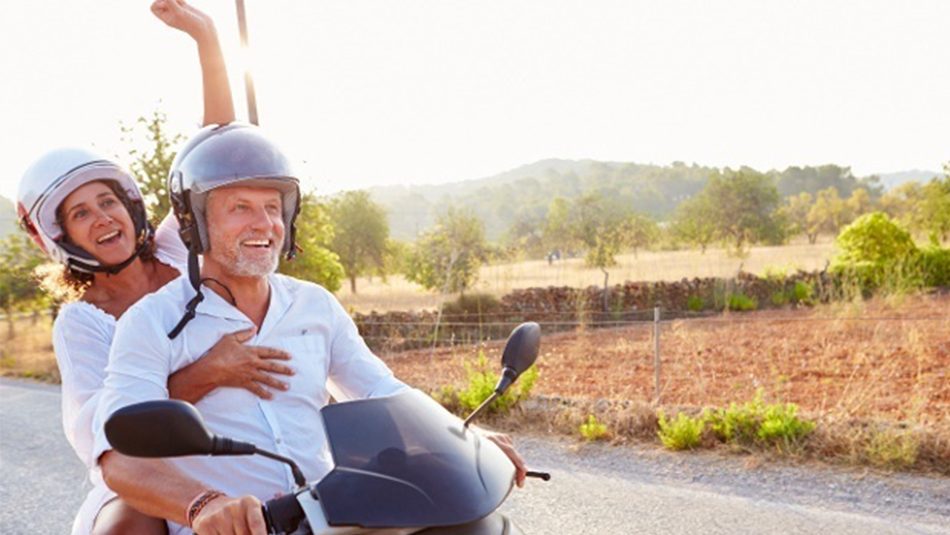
<point x="95" y="219"/>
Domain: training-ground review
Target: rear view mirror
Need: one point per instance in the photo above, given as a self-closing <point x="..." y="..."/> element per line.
<point x="521" y="350"/>
<point x="161" y="428"/>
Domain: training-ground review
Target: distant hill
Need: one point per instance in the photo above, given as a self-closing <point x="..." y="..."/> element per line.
<point x="7" y="217"/>
<point x="526" y="192"/>
<point x="892" y="180"/>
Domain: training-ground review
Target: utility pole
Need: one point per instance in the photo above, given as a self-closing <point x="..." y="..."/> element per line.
<point x="248" y="80"/>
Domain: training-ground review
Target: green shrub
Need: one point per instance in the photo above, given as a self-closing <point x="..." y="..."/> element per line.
<point x="873" y="238"/>
<point x="803" y="293"/>
<point x="779" y="298"/>
<point x="695" y="303"/>
<point x="680" y="433"/>
<point x="737" y="423"/>
<point x="592" y="429"/>
<point x="934" y="265"/>
<point x="741" y="302"/>
<point x="481" y="384"/>
<point x="755" y="422"/>
<point x="781" y="426"/>
<point x="876" y="252"/>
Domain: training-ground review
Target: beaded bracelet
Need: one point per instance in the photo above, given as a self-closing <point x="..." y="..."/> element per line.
<point x="199" y="503"/>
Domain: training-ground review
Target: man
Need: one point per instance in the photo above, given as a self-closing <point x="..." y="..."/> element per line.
<point x="236" y="199"/>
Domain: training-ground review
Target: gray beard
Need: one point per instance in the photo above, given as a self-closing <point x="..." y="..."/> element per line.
<point x="233" y="260"/>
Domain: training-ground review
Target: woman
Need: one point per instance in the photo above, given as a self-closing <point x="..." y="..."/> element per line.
<point x="88" y="214"/>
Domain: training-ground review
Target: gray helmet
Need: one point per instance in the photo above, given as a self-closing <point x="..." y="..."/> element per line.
<point x="229" y="155"/>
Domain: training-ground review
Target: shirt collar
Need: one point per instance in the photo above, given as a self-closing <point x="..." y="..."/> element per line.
<point x="215" y="305"/>
<point x="280" y="301"/>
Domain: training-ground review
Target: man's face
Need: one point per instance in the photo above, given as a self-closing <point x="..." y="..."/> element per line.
<point x="245" y="230"/>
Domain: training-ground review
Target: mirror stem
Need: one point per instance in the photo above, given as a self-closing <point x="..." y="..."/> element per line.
<point x="298" y="475"/>
<point x="480" y="409"/>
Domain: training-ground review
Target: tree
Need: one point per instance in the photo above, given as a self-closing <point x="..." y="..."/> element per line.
<point x="150" y="165"/>
<point x="829" y="213"/>
<point x="18" y="257"/>
<point x="557" y="233"/>
<point x="693" y="222"/>
<point x="935" y="208"/>
<point x="360" y="234"/>
<point x="638" y="231"/>
<point x="901" y="204"/>
<point x="447" y="257"/>
<point x="859" y="203"/>
<point x="604" y="229"/>
<point x="526" y="236"/>
<point x="796" y="211"/>
<point x="743" y="206"/>
<point x="315" y="262"/>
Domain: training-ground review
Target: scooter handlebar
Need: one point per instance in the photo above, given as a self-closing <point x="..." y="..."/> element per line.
<point x="283" y="515"/>
<point x="540" y="475"/>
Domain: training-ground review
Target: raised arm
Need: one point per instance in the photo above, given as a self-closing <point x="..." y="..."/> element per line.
<point x="218" y="104"/>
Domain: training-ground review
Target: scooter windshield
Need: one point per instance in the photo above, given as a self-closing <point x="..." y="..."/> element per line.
<point x="404" y="461"/>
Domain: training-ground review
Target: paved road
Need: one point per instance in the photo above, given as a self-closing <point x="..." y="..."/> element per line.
<point x="595" y="489"/>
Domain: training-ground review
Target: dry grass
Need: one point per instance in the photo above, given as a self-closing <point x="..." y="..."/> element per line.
<point x="27" y="349"/>
<point x="399" y="294"/>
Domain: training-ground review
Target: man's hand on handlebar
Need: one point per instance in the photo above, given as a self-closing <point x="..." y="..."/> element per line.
<point x="504" y="442"/>
<point x="225" y="515"/>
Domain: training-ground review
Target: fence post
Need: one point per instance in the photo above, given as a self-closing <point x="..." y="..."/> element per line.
<point x="656" y="354"/>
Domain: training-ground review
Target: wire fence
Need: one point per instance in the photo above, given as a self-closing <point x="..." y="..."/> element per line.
<point x="656" y="335"/>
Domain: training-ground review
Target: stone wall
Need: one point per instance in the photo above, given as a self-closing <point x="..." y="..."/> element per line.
<point x="564" y="308"/>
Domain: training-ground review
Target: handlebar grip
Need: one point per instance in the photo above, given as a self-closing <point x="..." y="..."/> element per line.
<point x="540" y="475"/>
<point x="283" y="515"/>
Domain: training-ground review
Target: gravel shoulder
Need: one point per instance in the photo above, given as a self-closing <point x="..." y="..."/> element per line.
<point x="918" y="502"/>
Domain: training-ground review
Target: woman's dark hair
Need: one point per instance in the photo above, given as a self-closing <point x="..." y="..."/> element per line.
<point x="67" y="284"/>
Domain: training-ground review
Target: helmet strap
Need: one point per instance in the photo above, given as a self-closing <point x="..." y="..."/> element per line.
<point x="194" y="276"/>
<point x="144" y="243"/>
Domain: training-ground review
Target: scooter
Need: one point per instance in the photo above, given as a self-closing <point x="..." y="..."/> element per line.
<point x="402" y="464"/>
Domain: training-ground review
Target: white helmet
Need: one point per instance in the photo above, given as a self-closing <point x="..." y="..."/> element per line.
<point x="50" y="180"/>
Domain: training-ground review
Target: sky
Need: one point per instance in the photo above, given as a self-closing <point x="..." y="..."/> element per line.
<point x="364" y="93"/>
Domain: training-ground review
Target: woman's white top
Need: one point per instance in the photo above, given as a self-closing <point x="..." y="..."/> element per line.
<point x="82" y="336"/>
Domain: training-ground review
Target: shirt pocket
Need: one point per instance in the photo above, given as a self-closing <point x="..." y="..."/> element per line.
<point x="308" y="360"/>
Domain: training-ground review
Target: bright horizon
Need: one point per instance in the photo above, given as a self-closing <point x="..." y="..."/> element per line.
<point x="379" y="93"/>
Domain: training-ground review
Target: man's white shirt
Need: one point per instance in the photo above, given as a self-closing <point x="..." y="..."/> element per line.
<point x="327" y="354"/>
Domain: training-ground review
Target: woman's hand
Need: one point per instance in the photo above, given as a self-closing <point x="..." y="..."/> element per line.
<point x="504" y="442"/>
<point x="216" y="91"/>
<point x="231" y="363"/>
<point x="181" y="16"/>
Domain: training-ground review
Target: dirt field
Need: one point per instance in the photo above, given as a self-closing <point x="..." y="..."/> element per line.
<point x="879" y="360"/>
<point x="398" y="294"/>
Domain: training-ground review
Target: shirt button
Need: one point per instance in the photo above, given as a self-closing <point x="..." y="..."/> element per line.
<point x="278" y="441"/>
